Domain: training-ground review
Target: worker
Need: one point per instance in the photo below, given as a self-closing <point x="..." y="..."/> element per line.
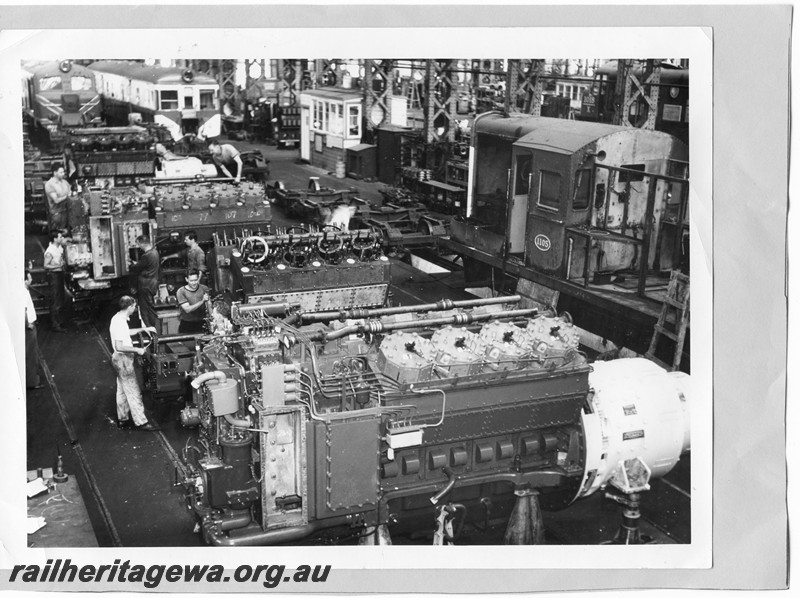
<point x="226" y="157"/>
<point x="54" y="264"/>
<point x="220" y="317"/>
<point x="57" y="190"/>
<point x="192" y="298"/>
<point x="129" y="396"/>
<point x="147" y="271"/>
<point x="194" y="254"/>
<point x="32" y="366"/>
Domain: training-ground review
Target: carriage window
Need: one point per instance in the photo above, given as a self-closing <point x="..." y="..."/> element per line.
<point x="167" y="100"/>
<point x="206" y="99"/>
<point x="49" y="83"/>
<point x="582" y="184"/>
<point x="549" y="189"/>
<point x="522" y="177"/>
<point x="188" y="97"/>
<point x="81" y="83"/>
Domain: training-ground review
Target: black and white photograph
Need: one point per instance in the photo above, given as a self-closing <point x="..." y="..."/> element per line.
<point x="286" y="312"/>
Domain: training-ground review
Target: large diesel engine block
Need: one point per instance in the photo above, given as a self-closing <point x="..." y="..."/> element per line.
<point x="353" y="420"/>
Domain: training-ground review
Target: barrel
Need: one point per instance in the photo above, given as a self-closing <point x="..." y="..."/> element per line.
<point x="340" y="170"/>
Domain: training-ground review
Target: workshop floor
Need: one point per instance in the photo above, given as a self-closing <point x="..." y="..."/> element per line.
<point x="127" y="477"/>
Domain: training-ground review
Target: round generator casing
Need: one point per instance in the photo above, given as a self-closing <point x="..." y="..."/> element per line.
<point x="639" y="410"/>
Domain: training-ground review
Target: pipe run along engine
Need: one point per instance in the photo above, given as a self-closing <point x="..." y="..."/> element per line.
<point x="341" y="422"/>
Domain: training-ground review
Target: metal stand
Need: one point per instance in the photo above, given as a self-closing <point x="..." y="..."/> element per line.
<point x="628" y="532"/>
<point x="375" y="536"/>
<point x="632" y="477"/>
<point x="525" y="526"/>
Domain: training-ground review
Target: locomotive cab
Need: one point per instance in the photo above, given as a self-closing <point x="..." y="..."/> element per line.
<point x="580" y="200"/>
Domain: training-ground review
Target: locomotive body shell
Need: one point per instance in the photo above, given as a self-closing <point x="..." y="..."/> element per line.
<point x="575" y="197"/>
<point x="57" y="96"/>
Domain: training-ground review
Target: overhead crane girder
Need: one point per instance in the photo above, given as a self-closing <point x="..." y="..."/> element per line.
<point x="524" y="86"/>
<point x="440" y="100"/>
<point x="293" y="77"/>
<point x="377" y="102"/>
<point x="631" y="90"/>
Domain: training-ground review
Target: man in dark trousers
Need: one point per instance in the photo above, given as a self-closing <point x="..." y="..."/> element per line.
<point x="54" y="264"/>
<point x="32" y="367"/>
<point x="147" y="271"/>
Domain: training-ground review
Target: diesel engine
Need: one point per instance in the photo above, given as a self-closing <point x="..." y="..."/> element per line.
<point x="366" y="423"/>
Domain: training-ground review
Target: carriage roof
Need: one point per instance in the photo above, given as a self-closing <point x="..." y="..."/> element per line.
<point x="150" y="73"/>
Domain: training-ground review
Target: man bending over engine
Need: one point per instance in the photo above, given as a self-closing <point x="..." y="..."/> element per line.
<point x="227" y="158"/>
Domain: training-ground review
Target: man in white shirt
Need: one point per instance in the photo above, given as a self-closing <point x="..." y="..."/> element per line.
<point x="129" y="396"/>
<point x="32" y="378"/>
<point x="54" y="264"/>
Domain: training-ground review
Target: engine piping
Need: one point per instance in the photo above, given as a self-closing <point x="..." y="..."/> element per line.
<point x="239" y="423"/>
<point x="375" y="327"/>
<point x="203" y="378"/>
<point x="255" y="536"/>
<point x="353" y="314"/>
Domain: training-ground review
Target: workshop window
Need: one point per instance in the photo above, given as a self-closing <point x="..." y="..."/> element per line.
<point x="49" y="83"/>
<point x="168" y="99"/>
<point x="335" y="125"/>
<point x="583" y="179"/>
<point x="207" y="99"/>
<point x="354" y="121"/>
<point x="549" y="189"/>
<point x="317" y="124"/>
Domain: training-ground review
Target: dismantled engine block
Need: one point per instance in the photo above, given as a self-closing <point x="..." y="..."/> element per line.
<point x="314" y="268"/>
<point x="210" y="208"/>
<point x="369" y="420"/>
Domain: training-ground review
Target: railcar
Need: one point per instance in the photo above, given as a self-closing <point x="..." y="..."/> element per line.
<point x="184" y="101"/>
<point x="57" y="96"/>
